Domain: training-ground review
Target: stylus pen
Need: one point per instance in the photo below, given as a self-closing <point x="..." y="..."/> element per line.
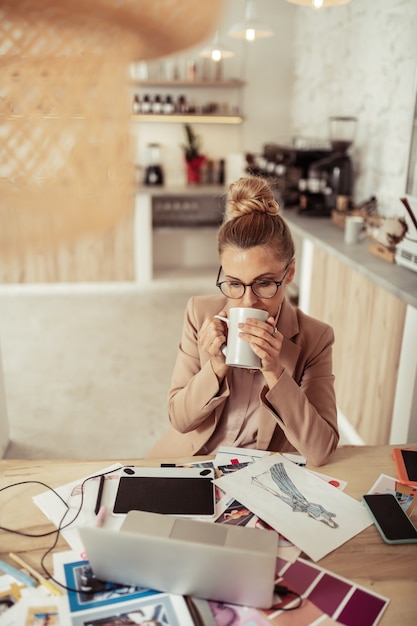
<point x="99" y="494"/>
<point x="194" y="612"/>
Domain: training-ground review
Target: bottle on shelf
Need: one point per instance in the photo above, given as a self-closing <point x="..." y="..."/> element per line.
<point x="136" y="105"/>
<point x="182" y="105"/>
<point x="168" y="106"/>
<point x="157" y="105"/>
<point x="146" y="104"/>
<point x="221" y="176"/>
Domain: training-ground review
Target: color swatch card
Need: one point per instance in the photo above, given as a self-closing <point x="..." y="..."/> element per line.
<point x="341" y="599"/>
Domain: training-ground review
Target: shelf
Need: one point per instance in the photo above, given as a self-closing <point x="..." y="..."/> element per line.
<point x="192" y="119"/>
<point x="191" y="83"/>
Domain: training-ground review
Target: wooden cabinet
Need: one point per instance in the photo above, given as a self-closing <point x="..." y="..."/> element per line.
<point x="368" y="323"/>
<point x="100" y="257"/>
<point x="4" y="422"/>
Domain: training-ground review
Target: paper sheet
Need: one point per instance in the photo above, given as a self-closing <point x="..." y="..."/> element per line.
<point x="307" y="510"/>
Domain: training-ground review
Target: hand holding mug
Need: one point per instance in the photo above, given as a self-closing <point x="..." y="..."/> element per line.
<point x="212" y="336"/>
<point x="238" y="351"/>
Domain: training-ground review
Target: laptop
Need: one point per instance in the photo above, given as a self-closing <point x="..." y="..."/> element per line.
<point x="187" y="557"/>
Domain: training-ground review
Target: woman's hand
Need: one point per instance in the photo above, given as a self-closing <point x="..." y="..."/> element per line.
<point x="212" y="336"/>
<point x="266" y="342"/>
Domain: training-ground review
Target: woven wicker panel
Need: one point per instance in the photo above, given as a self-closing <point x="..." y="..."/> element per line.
<point x="66" y="163"/>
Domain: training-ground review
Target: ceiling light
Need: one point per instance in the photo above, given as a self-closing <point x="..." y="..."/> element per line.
<point x="251" y="28"/>
<point x="217" y="50"/>
<point x="318" y="4"/>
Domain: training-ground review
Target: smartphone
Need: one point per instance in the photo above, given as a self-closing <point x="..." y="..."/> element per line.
<point x="392" y="522"/>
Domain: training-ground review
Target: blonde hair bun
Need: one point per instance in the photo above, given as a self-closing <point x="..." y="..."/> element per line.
<point x="250" y="195"/>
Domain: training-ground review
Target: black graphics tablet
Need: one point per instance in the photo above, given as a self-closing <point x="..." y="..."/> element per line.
<point x="177" y="491"/>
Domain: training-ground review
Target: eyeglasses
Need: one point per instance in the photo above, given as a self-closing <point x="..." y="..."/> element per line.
<point x="261" y="288"/>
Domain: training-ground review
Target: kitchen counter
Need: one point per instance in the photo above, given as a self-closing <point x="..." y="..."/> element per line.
<point x="182" y="190"/>
<point x="397" y="280"/>
<point x="372" y="306"/>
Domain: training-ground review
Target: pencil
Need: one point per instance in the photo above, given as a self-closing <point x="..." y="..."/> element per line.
<point x="99" y="494"/>
<point x="43" y="581"/>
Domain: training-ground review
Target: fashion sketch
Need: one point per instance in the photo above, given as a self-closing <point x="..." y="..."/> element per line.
<point x="288" y="493"/>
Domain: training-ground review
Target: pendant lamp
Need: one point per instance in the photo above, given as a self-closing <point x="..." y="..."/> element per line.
<point x="251" y="28"/>
<point x="318" y="4"/>
<point x="217" y="51"/>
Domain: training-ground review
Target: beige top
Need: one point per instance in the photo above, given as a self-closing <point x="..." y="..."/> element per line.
<point x="238" y="426"/>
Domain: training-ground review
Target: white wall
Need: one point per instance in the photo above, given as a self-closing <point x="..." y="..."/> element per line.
<point x="361" y="59"/>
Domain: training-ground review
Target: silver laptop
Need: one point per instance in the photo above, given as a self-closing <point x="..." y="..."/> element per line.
<point x="187" y="557"/>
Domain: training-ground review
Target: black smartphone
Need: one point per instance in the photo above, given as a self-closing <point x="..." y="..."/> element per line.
<point x="392" y="522"/>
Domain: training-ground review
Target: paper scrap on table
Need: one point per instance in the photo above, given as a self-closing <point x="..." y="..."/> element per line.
<point x="93" y="601"/>
<point x="228" y="455"/>
<point x="405" y="494"/>
<point x="307" y="510"/>
<point x="54" y="508"/>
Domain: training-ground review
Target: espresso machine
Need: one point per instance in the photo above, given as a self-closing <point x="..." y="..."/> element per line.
<point x="329" y="184"/>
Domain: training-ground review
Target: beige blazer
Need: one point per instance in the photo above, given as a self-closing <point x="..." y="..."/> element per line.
<point x="297" y="414"/>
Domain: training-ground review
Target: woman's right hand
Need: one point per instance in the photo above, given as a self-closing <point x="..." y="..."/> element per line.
<point x="212" y="337"/>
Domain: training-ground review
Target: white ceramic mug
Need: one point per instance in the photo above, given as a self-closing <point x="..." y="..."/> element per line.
<point x="354" y="229"/>
<point x="238" y="351"/>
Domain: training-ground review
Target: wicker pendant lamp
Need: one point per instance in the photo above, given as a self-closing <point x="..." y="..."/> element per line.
<point x="66" y="165"/>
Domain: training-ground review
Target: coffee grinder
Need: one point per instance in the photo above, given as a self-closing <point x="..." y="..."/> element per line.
<point x="330" y="180"/>
<point x="154" y="174"/>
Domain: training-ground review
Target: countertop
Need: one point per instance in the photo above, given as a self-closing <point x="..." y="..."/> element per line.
<point x="396" y="279"/>
<point x="182" y="190"/>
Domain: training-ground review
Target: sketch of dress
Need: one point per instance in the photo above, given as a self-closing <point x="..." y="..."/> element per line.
<point x="293" y="497"/>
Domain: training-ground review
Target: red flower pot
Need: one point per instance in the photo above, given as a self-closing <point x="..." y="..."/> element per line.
<point x="194" y="170"/>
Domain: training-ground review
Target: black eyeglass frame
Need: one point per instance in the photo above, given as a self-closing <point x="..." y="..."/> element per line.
<point x="278" y="284"/>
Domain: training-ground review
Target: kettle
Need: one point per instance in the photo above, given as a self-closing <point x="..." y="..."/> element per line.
<point x="154" y="174"/>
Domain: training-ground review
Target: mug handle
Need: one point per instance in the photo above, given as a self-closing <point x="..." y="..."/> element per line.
<point x="224" y="319"/>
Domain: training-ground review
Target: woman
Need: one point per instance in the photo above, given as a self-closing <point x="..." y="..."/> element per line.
<point x="289" y="403"/>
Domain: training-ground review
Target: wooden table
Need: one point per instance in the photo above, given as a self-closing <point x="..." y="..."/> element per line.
<point x="365" y="559"/>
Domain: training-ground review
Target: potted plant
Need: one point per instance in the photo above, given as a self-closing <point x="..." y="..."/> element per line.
<point x="193" y="157"/>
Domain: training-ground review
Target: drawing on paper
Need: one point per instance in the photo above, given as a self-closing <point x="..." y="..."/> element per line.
<point x="289" y="494"/>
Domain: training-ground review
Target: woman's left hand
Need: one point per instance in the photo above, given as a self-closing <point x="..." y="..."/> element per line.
<point x="266" y="342"/>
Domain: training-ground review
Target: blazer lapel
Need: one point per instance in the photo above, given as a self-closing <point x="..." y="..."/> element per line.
<point x="288" y="326"/>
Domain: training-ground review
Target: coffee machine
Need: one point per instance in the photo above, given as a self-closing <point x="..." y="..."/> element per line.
<point x="329" y="184"/>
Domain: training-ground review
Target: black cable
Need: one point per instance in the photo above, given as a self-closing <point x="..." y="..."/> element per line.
<point x="281" y="590"/>
<point x="61" y="525"/>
